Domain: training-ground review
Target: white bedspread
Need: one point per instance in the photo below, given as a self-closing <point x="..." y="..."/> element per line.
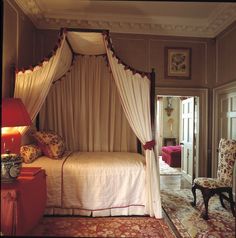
<point x="94" y="180"/>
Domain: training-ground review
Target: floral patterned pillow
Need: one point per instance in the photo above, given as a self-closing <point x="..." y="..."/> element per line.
<point x="29" y="153"/>
<point x="51" y="143"/>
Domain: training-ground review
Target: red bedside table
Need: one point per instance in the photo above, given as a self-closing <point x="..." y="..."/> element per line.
<point x="23" y="202"/>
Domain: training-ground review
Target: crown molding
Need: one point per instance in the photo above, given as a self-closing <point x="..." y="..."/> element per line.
<point x="209" y="28"/>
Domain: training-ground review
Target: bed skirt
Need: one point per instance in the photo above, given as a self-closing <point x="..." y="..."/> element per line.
<point x="121" y="211"/>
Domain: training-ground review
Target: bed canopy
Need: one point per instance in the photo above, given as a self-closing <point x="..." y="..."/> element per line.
<point x="134" y="89"/>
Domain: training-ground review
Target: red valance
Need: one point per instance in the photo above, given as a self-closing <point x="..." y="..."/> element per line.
<point x="149" y="145"/>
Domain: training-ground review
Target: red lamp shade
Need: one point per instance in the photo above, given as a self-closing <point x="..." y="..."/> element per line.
<point x="14" y="113"/>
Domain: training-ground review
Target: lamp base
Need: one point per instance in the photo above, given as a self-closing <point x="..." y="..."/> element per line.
<point x="10" y="167"/>
<point x="10" y="141"/>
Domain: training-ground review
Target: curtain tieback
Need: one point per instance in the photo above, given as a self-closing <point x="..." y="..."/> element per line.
<point x="149" y="145"/>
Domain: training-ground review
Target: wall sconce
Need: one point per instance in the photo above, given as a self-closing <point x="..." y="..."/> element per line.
<point x="169" y="108"/>
<point x="14" y="114"/>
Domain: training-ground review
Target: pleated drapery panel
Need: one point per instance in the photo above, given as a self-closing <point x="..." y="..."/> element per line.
<point x="134" y="91"/>
<point x="84" y="107"/>
<point x="33" y="85"/>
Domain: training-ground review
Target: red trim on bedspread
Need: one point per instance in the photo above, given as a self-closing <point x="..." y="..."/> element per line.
<point x="62" y="177"/>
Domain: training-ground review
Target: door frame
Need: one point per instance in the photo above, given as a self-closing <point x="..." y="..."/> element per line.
<point x="217" y="92"/>
<point x="202" y="93"/>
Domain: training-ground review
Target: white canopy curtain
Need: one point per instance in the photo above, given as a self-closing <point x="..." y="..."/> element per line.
<point x="135" y="97"/>
<point x="84" y="107"/>
<point x="33" y="85"/>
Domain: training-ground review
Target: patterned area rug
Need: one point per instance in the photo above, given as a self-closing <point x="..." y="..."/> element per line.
<point x="103" y="227"/>
<point x="165" y="169"/>
<point x="187" y="219"/>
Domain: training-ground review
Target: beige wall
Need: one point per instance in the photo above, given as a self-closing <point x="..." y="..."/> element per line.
<point x="142" y="52"/>
<point x="226" y="56"/>
<point x="212" y="61"/>
<point x="172" y="121"/>
<point x="18" y="45"/>
<point x="45" y="41"/>
<point x="145" y="52"/>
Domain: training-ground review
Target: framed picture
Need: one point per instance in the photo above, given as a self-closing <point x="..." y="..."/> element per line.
<point x="177" y="63"/>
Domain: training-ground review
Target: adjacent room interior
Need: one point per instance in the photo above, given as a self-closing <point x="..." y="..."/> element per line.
<point x="177" y="133"/>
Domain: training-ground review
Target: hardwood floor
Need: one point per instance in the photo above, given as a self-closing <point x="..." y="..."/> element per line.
<point x="185" y="183"/>
<point x="172" y="180"/>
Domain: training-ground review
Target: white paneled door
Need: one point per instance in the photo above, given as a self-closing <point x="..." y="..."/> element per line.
<point x="227" y="116"/>
<point x="187" y="138"/>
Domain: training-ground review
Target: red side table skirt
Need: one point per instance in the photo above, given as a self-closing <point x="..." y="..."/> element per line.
<point x="172" y="155"/>
<point x="23" y="203"/>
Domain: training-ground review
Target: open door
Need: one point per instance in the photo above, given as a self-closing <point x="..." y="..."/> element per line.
<point x="187" y="138"/>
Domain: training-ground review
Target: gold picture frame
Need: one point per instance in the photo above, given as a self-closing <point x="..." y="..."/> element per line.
<point x="177" y="63"/>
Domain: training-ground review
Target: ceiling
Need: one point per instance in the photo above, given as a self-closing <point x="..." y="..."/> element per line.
<point x="196" y="19"/>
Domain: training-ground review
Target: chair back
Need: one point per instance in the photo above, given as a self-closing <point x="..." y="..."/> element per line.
<point x="227" y="157"/>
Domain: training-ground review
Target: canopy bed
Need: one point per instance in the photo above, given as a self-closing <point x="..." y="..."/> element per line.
<point x="75" y="93"/>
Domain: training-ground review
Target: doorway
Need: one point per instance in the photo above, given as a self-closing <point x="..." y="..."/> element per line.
<point x="177" y="133"/>
<point x="199" y="165"/>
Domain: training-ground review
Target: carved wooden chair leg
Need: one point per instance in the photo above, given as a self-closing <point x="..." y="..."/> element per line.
<point x="224" y="181"/>
<point x="221" y="200"/>
<point x="231" y="202"/>
<point x="206" y="196"/>
<point x="194" y="195"/>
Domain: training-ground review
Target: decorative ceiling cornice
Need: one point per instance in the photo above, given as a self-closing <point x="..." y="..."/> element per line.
<point x="209" y="28"/>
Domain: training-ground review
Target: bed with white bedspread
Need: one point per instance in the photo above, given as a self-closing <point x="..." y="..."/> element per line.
<point x="77" y="84"/>
<point x="94" y="183"/>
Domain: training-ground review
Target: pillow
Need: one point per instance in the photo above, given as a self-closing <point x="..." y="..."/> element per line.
<point x="50" y="143"/>
<point x="29" y="153"/>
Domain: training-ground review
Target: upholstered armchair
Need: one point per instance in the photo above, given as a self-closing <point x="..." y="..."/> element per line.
<point x="224" y="181"/>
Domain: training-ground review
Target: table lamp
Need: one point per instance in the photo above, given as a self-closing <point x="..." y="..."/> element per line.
<point x="14" y="114"/>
